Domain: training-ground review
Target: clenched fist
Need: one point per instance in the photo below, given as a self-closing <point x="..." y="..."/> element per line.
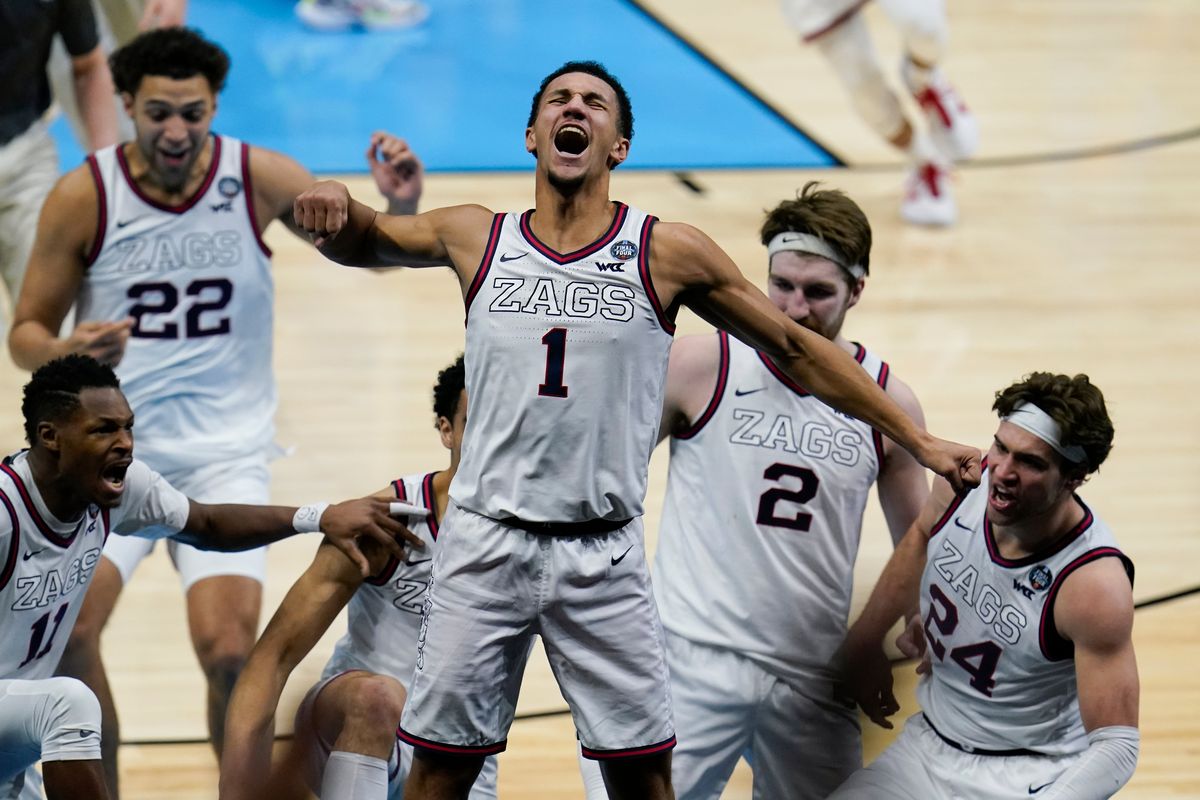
<point x="322" y="210"/>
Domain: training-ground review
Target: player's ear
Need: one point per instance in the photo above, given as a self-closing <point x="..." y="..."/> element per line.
<point x="530" y="145"/>
<point x="856" y="291"/>
<point x="127" y="102"/>
<point x="618" y="153"/>
<point x="446" y="432"/>
<point x="47" y="436"/>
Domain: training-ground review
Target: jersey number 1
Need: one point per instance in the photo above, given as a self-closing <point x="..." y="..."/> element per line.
<point x="556" y="356"/>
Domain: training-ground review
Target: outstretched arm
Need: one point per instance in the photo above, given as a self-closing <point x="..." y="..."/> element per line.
<point x="690" y="268"/>
<point x="354" y="234"/>
<point x="304" y="615"/>
<point x="903" y="483"/>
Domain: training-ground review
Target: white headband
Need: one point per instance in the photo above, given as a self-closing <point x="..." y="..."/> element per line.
<point x="813" y="245"/>
<point x="1042" y="425"/>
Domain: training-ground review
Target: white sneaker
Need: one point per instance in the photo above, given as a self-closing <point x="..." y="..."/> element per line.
<point x="952" y="127"/>
<point x="340" y="15"/>
<point x="928" y="196"/>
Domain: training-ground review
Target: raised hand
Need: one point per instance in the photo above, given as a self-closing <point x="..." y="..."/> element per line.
<point x="957" y="463"/>
<point x="398" y="173"/>
<point x="322" y="210"/>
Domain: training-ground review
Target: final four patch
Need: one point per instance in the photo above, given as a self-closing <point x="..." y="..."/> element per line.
<point x="623" y="250"/>
<point x="229" y="187"/>
<point x="1040" y="577"/>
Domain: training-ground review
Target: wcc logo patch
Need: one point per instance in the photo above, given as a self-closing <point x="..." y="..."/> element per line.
<point x="624" y="250"/>
<point x="229" y="187"/>
<point x="1040" y="578"/>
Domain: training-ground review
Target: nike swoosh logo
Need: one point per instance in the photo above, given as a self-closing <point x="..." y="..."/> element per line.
<point x="412" y="563"/>
<point x="505" y="258"/>
<point x="618" y="559"/>
<point x="31" y="553"/>
<point x="740" y="393"/>
<point x="124" y="222"/>
<point x="1038" y="789"/>
<point x="959" y="524"/>
<point x="85" y="734"/>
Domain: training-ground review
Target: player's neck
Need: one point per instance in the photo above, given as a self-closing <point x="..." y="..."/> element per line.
<point x="441" y="489"/>
<point x="149" y="182"/>
<point x="567" y="221"/>
<point x="1039" y="532"/>
<point x="55" y="489"/>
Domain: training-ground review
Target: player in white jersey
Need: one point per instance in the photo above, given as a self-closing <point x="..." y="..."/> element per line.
<point x="346" y="746"/>
<point x="774" y="483"/>
<point x="839" y="31"/>
<point x="1031" y="685"/>
<point x="77" y="483"/>
<point x="570" y="313"/>
<point x="159" y="241"/>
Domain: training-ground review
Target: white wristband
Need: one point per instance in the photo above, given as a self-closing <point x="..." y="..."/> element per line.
<point x="397" y="509"/>
<point x="308" y="518"/>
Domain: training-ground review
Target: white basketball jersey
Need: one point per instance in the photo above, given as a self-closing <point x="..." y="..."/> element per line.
<point x="197" y="280"/>
<point x="566" y="361"/>
<point x="384" y="615"/>
<point x="762" y="518"/>
<point x="1003" y="678"/>
<point x="46" y="564"/>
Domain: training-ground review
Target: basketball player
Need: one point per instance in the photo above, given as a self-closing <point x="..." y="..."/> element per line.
<point x="346" y="745"/>
<point x="569" y="324"/>
<point x="77" y="483"/>
<point x="840" y="32"/>
<point x="159" y="243"/>
<point x="755" y="616"/>
<point x="1031" y="686"/>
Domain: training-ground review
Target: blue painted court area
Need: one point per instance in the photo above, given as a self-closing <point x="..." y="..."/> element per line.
<point x="459" y="86"/>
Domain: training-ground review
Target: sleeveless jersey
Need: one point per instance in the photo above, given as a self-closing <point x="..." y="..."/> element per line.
<point x="384" y="615"/>
<point x="566" y="361"/>
<point x="1003" y="678"/>
<point x="197" y="280"/>
<point x="762" y="518"/>
<point x="46" y="564"/>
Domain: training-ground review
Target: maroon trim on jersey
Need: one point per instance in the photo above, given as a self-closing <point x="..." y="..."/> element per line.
<point x="248" y="191"/>
<point x="186" y="204"/>
<point x="489" y="252"/>
<point x="718" y="391"/>
<point x="1041" y="555"/>
<point x="837" y="22"/>
<point x="1054" y="646"/>
<point x="389" y="569"/>
<point x="860" y="352"/>
<point x="628" y="752"/>
<point x="46" y="530"/>
<point x="778" y="373"/>
<point x="106" y="520"/>
<point x="101" y="211"/>
<point x="643" y="258"/>
<point x="430" y="498"/>
<point x="14" y="547"/>
<point x="560" y="258"/>
<point x="453" y="749"/>
<point x="958" y="501"/>
<point x="882" y="380"/>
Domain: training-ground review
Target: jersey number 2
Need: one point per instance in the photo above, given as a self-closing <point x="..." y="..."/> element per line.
<point x="809" y="482"/>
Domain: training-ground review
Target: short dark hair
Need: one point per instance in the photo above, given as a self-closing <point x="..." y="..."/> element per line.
<point x="448" y="390"/>
<point x="1075" y="403"/>
<point x="175" y="53"/>
<point x="828" y="214"/>
<point x="53" y="391"/>
<point x="597" y="70"/>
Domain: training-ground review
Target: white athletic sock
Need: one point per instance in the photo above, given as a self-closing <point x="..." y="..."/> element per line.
<point x="353" y="776"/>
<point x="921" y="149"/>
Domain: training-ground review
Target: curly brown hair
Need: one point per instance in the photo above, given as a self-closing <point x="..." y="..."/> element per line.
<point x="828" y="214"/>
<point x="1075" y="403"/>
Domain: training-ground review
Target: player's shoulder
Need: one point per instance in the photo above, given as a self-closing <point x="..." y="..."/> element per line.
<point x="75" y="191"/>
<point x="905" y="397"/>
<point x="270" y="169"/>
<point x="1095" y="602"/>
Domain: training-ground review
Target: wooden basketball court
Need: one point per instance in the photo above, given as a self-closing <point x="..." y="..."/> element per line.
<point x="1071" y="255"/>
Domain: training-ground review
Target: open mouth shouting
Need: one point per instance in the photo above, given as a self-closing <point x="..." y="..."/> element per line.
<point x="112" y="477"/>
<point x="571" y="140"/>
<point x="1001" y="500"/>
<point x="174" y="158"/>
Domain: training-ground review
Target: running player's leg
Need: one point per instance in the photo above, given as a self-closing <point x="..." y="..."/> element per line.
<point x="223" y="590"/>
<point x="805" y="745"/>
<point x="603" y="638"/>
<point x="713" y="696"/>
<point x="479" y="616"/>
<point x="56" y="720"/>
<point x="82" y="659"/>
